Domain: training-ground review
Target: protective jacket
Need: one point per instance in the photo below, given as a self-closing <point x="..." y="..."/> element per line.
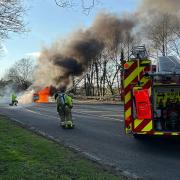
<point x="14" y="97"/>
<point x="64" y="100"/>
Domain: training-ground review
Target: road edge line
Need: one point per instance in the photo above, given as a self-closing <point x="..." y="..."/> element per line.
<point x="106" y="166"/>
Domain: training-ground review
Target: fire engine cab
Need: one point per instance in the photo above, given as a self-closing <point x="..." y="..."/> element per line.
<point x="151" y="99"/>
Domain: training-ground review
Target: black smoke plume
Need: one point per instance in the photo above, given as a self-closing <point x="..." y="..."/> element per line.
<point x="73" y="56"/>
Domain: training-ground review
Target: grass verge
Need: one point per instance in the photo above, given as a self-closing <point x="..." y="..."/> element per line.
<point x="24" y="155"/>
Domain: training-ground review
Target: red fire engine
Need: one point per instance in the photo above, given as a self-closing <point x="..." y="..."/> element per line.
<point x="151" y="99"/>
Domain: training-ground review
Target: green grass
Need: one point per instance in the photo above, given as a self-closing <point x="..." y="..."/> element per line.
<point x="24" y="155"/>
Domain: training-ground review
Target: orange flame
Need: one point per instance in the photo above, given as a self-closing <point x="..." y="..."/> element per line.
<point x="43" y="95"/>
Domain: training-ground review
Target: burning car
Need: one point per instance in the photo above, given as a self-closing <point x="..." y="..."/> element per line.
<point x="44" y="95"/>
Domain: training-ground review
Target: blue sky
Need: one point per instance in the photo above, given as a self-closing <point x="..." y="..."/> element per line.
<point x="47" y="22"/>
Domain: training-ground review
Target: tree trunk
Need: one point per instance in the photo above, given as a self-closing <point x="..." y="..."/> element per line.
<point x="104" y="77"/>
<point x="97" y="77"/>
<point x="122" y="69"/>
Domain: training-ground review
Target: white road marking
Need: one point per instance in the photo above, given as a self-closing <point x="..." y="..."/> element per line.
<point x="87" y="111"/>
<point x="35" y="112"/>
<point x="116" y="115"/>
<point x="87" y="154"/>
<point x="46" y="110"/>
<point x="83" y="113"/>
<point x="103" y="110"/>
<point x="93" y="115"/>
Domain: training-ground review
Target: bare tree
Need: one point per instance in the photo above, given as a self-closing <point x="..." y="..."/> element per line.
<point x="175" y="39"/>
<point x="87" y="5"/>
<point x="104" y="75"/>
<point x="63" y="3"/>
<point x="164" y="33"/>
<point x="11" y="17"/>
<point x="21" y="73"/>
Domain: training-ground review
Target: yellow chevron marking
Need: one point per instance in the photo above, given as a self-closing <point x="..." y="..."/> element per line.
<point x="174" y="134"/>
<point x="144" y="80"/>
<point x="137" y="122"/>
<point x="129" y="130"/>
<point x="128" y="97"/>
<point x="128" y="113"/>
<point x="158" y="133"/>
<point x="130" y="63"/>
<point x="146" y="62"/>
<point x="148" y="127"/>
<point x="134" y="74"/>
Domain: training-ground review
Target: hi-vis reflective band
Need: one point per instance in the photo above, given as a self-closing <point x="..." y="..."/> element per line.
<point x="133" y="74"/>
<point x="159" y="133"/>
<point x="142" y="125"/>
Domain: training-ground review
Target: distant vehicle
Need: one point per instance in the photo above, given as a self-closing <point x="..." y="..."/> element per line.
<point x="44" y="95"/>
<point x="35" y="97"/>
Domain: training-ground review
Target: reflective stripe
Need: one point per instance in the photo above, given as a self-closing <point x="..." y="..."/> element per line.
<point x="142" y="125"/>
<point x="144" y="80"/>
<point x="137" y="122"/>
<point x="158" y="133"/>
<point x="148" y="127"/>
<point x="175" y="134"/>
<point x="128" y="113"/>
<point x="127" y="97"/>
<point x="132" y="76"/>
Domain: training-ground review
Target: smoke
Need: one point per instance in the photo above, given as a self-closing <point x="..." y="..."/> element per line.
<point x="72" y="56"/>
<point x="26" y="97"/>
<point x="151" y="9"/>
<point x="152" y="13"/>
<point x="110" y="29"/>
<point x="161" y="6"/>
<point x="5" y="93"/>
<point x="22" y="97"/>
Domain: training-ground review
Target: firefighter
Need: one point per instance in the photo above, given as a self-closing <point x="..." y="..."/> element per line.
<point x="64" y="106"/>
<point x="14" y="100"/>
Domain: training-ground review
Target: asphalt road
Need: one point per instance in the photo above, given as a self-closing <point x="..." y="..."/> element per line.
<point x="99" y="134"/>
